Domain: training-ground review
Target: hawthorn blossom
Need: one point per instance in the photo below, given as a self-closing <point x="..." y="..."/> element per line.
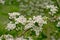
<point x="11" y="26"/>
<point x="29" y="25"/>
<point x="32" y="5"/>
<point x="53" y="9"/>
<point x="30" y="38"/>
<point x="39" y="20"/>
<point x="21" y="19"/>
<point x="59" y="18"/>
<point x="20" y="38"/>
<point x="53" y="38"/>
<point x="2" y="1"/>
<point x="8" y="37"/>
<point x="13" y="15"/>
<point x="37" y="30"/>
<point x="0" y="38"/>
<point x="58" y="24"/>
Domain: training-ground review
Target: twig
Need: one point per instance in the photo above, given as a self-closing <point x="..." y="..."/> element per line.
<point x="24" y="32"/>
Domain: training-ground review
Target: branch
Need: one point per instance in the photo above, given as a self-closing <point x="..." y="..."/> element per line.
<point x="24" y="32"/>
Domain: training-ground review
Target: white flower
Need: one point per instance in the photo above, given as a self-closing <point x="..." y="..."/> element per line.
<point x="31" y="22"/>
<point x="33" y="5"/>
<point x="59" y="18"/>
<point x="13" y="15"/>
<point x="39" y="20"/>
<point x="8" y="37"/>
<point x="30" y="38"/>
<point x="11" y="26"/>
<point x="20" y="38"/>
<point x="29" y="25"/>
<point x="0" y="38"/>
<point x="2" y="1"/>
<point x="58" y="25"/>
<point x="37" y="30"/>
<point x="53" y="9"/>
<point x="53" y="38"/>
<point x="21" y="19"/>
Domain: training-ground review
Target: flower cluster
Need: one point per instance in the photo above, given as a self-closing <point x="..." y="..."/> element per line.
<point x="30" y="6"/>
<point x="58" y="24"/>
<point x="13" y="15"/>
<point x="36" y="22"/>
<point x="21" y="19"/>
<point x="11" y="26"/>
<point x="10" y="37"/>
<point x="2" y="1"/>
<point x="37" y="6"/>
<point x="53" y="9"/>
